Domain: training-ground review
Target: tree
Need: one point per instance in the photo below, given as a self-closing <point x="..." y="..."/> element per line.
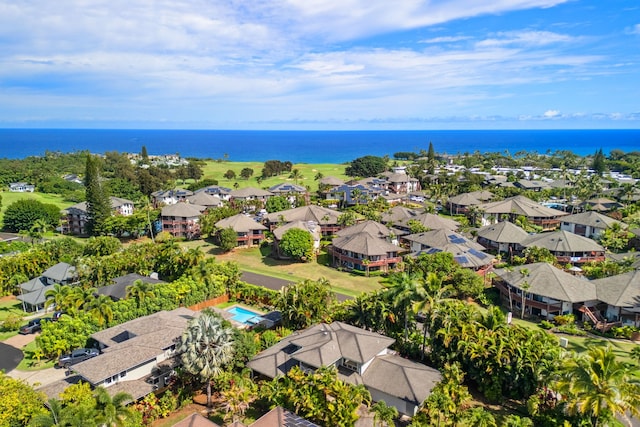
<point x="111" y="411"/>
<point x="599" y="162"/>
<point x="366" y="166"/>
<point x="97" y="199"/>
<point x="140" y="291"/>
<point x="404" y="290"/>
<point x="227" y="239"/>
<point x="23" y="214"/>
<point x="101" y="309"/>
<point x="19" y="402"/>
<point x="102" y="246"/>
<point x="206" y="346"/>
<point x="144" y="155"/>
<point x="296" y="175"/>
<point x="384" y="414"/>
<point x="598" y="386"/>
<point x="246" y="173"/>
<point x="297" y="244"/>
<point x="305" y="303"/>
<point x="229" y="174"/>
<point x="277" y="204"/>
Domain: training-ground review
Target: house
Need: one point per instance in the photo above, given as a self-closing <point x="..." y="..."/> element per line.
<point x="250" y="232"/>
<point x="72" y="177"/>
<point x="461" y="203"/>
<point x="33" y="292"/>
<point x="504" y="237"/>
<point x="362" y="251"/>
<point x="466" y="253"/>
<point x="588" y="224"/>
<point x="600" y="204"/>
<point x="621" y="294"/>
<point x="205" y="199"/>
<point x="170" y="197"/>
<point x="277" y="417"/>
<point x="531" y="185"/>
<point x="137" y="356"/>
<point x="118" y="289"/>
<point x="398" y="214"/>
<point x="374" y="228"/>
<point x="255" y="197"/>
<point x="215" y="190"/>
<point x="76" y="216"/>
<point x="291" y="191"/>
<point x="326" y="218"/>
<point x="568" y="248"/>
<point x="429" y="221"/>
<point x="401" y="183"/>
<point x="347" y="194"/>
<point x="182" y="220"/>
<point x="548" y="291"/>
<point x="513" y="207"/>
<point x="361" y="357"/>
<point x="21" y="187"/>
<point x="310" y="226"/>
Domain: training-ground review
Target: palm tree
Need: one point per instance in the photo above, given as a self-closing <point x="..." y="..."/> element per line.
<point x="53" y="418"/>
<point x="598" y="386"/>
<point x="404" y="290"/>
<point x="58" y="296"/>
<point x="384" y="414"/>
<point x="140" y="291"/>
<point x="101" y="308"/>
<point x="478" y="417"/>
<point x="205" y="347"/>
<point x="112" y="411"/>
<point x="296" y="175"/>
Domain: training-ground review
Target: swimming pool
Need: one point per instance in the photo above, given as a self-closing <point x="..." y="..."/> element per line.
<point x="242" y="315"/>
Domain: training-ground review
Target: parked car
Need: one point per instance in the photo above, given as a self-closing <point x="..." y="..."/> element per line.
<point x="33" y="326"/>
<point x="77" y="356"/>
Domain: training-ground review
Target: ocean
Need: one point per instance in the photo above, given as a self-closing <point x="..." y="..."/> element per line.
<point x="309" y="146"/>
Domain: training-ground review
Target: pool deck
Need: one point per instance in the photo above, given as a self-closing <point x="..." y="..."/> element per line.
<point x="228" y="316"/>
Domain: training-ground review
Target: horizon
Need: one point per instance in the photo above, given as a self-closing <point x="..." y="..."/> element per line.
<point x="305" y="65"/>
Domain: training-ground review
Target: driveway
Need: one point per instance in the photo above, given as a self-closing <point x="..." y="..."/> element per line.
<point x="9" y="357"/>
<point x="275" y="283"/>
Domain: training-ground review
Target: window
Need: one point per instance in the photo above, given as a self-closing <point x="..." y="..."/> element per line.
<point x="350" y="364"/>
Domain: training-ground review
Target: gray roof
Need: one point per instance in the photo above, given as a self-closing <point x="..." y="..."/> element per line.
<point x="116" y="202"/>
<point x="240" y="223"/>
<point x="34" y="284"/>
<point x="503" y="232"/>
<point x="331" y="180"/>
<point x="601" y="204"/>
<point x="464" y="199"/>
<point x="372" y="227"/>
<point x="320" y="345"/>
<point x="592" y="219"/>
<point x="396" y="376"/>
<point x="287" y="188"/>
<point x="118" y="290"/>
<point x="622" y="290"/>
<point x="35" y="297"/>
<point x="183" y="210"/>
<point x="250" y="192"/>
<point x="464" y="256"/>
<point x="548" y="281"/>
<point x="203" y="198"/>
<point x="442" y="238"/>
<point x="61" y="272"/>
<point x="365" y="244"/>
<point x="520" y="205"/>
<point x="562" y="241"/>
<point x="310" y="226"/>
<point x="399" y="213"/>
<point x="306" y="213"/>
<point x="432" y="222"/>
<point x="133" y="343"/>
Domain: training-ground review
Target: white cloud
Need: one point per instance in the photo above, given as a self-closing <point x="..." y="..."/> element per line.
<point x="445" y="39"/>
<point x="551" y="114"/>
<point x="634" y="30"/>
<point x="526" y="38"/>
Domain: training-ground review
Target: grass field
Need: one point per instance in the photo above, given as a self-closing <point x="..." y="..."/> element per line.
<point x="9" y="197"/>
<point x="216" y="170"/>
<point x="255" y="261"/>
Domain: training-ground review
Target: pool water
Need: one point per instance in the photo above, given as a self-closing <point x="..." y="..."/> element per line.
<point x="242" y="315"/>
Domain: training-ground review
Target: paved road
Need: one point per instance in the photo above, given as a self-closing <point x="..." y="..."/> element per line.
<point x="9" y="357"/>
<point x="275" y="283"/>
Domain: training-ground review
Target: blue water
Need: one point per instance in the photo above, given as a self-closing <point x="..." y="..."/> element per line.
<point x="245" y="316"/>
<point x="309" y="146"/>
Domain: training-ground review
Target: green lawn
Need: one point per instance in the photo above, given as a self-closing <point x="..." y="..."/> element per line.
<point x="30" y="363"/>
<point x="9" y="197"/>
<point x="10" y="306"/>
<point x="216" y="170"/>
<point x="253" y="260"/>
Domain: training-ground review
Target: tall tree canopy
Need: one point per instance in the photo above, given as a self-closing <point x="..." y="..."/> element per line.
<point x="98" y="202"/>
<point x="366" y="166"/>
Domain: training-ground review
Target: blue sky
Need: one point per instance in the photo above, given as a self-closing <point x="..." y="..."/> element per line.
<point x="320" y="64"/>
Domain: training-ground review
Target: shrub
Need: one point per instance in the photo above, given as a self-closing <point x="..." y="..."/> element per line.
<point x="564" y="319"/>
<point x="571" y="329"/>
<point x="545" y="324"/>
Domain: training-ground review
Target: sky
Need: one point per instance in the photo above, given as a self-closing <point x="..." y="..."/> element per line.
<point x="320" y="64"/>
